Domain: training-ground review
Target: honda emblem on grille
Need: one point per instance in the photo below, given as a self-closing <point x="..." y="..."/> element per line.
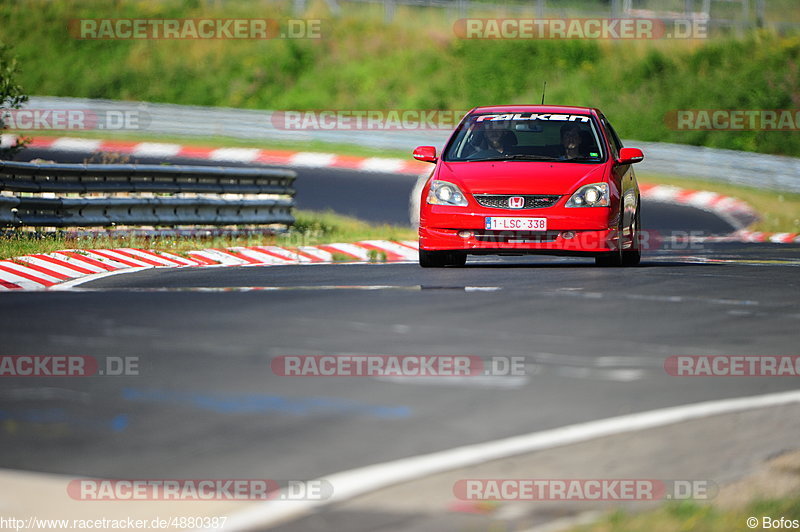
<point x="516" y="202"/>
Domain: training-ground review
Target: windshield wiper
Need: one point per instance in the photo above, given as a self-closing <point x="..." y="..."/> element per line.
<point x="582" y="159"/>
<point x="516" y="157"/>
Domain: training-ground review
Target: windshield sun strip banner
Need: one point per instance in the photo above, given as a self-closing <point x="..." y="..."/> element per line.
<point x="558" y="117"/>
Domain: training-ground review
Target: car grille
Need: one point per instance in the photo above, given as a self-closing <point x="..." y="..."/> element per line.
<point x="516" y="237"/>
<point x="500" y="201"/>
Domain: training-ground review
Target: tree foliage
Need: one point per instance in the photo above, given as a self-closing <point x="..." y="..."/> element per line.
<point x="11" y="97"/>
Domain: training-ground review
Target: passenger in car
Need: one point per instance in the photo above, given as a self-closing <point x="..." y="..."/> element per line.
<point x="571" y="141"/>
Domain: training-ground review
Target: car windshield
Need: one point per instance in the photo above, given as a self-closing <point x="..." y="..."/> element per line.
<point x="527" y="137"/>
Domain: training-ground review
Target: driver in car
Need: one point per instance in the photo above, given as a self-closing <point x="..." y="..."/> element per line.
<point x="498" y="142"/>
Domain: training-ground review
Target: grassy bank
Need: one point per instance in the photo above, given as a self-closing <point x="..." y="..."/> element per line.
<point x="692" y="517"/>
<point x="310" y="228"/>
<point x="362" y="63"/>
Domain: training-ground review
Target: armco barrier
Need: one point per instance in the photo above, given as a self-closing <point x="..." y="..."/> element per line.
<point x="144" y="195"/>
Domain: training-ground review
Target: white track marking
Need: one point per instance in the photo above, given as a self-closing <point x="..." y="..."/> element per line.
<point x="382" y="164"/>
<point x="223" y="259"/>
<point x="351" y="249"/>
<point x="468" y="381"/>
<point x="75" y="261"/>
<point x="30" y="271"/>
<point x="67" y="285"/>
<point x="115" y="254"/>
<point x="312" y="159"/>
<point x="6" y="141"/>
<point x="403" y="251"/>
<point x="50" y="266"/>
<point x="242" y="155"/>
<point x="25" y="283"/>
<point x="262" y="257"/>
<point x="316" y="252"/>
<point x="148" y="256"/>
<point x="186" y="261"/>
<point x="355" y="482"/>
<point x="283" y="252"/>
<point x="69" y="144"/>
<point x="157" y="149"/>
<point x="99" y="258"/>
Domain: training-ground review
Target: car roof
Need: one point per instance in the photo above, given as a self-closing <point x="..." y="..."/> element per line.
<point x="562" y="109"/>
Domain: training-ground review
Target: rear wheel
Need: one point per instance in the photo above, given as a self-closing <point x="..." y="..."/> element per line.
<point x="439" y="259"/>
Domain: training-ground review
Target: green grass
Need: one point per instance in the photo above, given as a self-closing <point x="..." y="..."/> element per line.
<point x="311" y="228"/>
<point x="414" y="63"/>
<point x="693" y="517"/>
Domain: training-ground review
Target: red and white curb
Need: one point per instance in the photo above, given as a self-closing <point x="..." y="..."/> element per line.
<point x="42" y="271"/>
<point x="238" y="155"/>
<point x="735" y="211"/>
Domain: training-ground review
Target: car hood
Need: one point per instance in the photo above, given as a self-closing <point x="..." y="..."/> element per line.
<point x="520" y="177"/>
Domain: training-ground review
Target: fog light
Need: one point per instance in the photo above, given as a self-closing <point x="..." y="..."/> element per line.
<point x="568" y="235"/>
<point x="465" y="234"/>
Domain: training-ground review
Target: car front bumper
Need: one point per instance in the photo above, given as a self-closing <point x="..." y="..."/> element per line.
<point x="585" y="231"/>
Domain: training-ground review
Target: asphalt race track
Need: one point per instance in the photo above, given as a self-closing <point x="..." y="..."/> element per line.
<point x="207" y="404"/>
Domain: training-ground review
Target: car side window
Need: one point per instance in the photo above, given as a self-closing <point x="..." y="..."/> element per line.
<point x="616" y="144"/>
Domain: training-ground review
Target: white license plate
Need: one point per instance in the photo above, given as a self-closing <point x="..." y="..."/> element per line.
<point x="506" y="223"/>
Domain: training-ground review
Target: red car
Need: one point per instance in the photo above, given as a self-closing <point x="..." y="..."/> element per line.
<point x="528" y="179"/>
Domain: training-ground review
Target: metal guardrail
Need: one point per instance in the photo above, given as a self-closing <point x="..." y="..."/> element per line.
<point x="728" y="166"/>
<point x="150" y="195"/>
<point x="737" y="14"/>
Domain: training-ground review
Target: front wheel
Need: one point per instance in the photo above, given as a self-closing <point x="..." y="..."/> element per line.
<point x="613" y="258"/>
<point x="633" y="256"/>
<point x="624" y="257"/>
<point x="439" y="259"/>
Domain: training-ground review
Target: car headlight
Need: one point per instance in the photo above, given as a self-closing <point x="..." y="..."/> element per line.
<point x="594" y="195"/>
<point x="444" y="193"/>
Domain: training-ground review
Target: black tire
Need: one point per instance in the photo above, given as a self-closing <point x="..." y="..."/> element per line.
<point x="624" y="257"/>
<point x="458" y="259"/>
<point x="633" y="256"/>
<point x="611" y="258"/>
<point x="440" y="259"/>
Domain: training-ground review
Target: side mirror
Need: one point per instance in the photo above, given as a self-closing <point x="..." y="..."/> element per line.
<point x="425" y="154"/>
<point x="630" y="156"/>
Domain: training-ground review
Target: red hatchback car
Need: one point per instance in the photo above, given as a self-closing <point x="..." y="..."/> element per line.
<point x="528" y="179"/>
